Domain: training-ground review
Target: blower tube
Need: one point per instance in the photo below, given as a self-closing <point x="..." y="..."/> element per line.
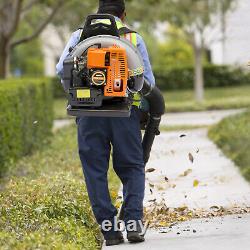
<point x="156" y="110"/>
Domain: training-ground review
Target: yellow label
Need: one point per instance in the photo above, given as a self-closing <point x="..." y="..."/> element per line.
<point x="83" y="93"/>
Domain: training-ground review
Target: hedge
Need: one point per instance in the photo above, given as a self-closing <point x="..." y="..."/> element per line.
<point x="232" y="135"/>
<point x="182" y="77"/>
<point x="215" y="76"/>
<point x="50" y="212"/>
<point x="26" y="117"/>
<point x="57" y="88"/>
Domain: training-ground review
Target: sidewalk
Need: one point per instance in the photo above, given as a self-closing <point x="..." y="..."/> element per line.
<point x="230" y="233"/>
<point x="217" y="183"/>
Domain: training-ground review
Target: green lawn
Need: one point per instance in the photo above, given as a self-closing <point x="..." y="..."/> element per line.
<point x="60" y="108"/>
<point x="183" y="100"/>
<point x="44" y="203"/>
<point x="232" y="135"/>
<point x="215" y="98"/>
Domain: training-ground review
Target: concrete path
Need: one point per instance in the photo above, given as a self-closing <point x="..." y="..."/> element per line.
<point x="221" y="233"/>
<point x="211" y="180"/>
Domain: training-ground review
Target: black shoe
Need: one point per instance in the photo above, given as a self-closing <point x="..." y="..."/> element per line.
<point x="114" y="239"/>
<point x="136" y="236"/>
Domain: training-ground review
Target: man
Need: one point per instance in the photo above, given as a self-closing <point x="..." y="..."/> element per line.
<point x="97" y="134"/>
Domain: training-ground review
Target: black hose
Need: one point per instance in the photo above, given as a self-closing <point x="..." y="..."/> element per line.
<point x="156" y="110"/>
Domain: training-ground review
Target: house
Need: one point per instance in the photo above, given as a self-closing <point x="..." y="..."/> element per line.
<point x="53" y="43"/>
<point x="236" y="48"/>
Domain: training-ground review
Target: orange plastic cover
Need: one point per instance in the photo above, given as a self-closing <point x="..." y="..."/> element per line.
<point x="117" y="71"/>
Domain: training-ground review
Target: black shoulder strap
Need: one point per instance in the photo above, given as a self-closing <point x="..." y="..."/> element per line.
<point x="122" y="31"/>
<point x="125" y="30"/>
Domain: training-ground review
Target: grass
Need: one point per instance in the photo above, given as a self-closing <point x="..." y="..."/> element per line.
<point x="232" y="135"/>
<point x="60" y="108"/>
<point x="180" y="127"/>
<point x="44" y="203"/>
<point x="183" y="100"/>
<point x="215" y="98"/>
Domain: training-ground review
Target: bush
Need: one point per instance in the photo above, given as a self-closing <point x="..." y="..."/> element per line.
<point x="232" y="135"/>
<point x="51" y="212"/>
<point x="26" y="117"/>
<point x="215" y="76"/>
<point x="58" y="90"/>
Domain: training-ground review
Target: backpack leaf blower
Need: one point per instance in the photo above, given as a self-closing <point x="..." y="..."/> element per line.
<point x="102" y="74"/>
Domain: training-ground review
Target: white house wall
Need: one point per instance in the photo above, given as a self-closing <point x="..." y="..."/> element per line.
<point x="237" y="46"/>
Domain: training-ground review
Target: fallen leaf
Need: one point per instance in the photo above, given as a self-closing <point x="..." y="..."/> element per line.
<point x="215" y="208"/>
<point x="191" y="158"/>
<point x="163" y="224"/>
<point x="154" y="200"/>
<point x="151" y="185"/>
<point x="150" y="170"/>
<point x="113" y="194"/>
<point x="188" y="171"/>
<point x="181" y="209"/>
<point x="173" y="186"/>
<point x="195" y="183"/>
<point x="118" y="204"/>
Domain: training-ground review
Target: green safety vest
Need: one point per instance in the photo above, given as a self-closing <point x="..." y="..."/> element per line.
<point x="132" y="37"/>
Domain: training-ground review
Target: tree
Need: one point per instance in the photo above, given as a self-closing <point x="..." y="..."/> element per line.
<point x="197" y="19"/>
<point x="37" y="14"/>
<point x="12" y="13"/>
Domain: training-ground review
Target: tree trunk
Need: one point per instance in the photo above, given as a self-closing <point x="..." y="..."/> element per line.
<point x="199" y="77"/>
<point x="4" y="57"/>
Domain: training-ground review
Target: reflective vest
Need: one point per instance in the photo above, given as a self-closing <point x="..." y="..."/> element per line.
<point x="132" y="37"/>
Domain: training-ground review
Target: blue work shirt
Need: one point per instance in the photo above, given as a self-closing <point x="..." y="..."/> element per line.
<point x="75" y="38"/>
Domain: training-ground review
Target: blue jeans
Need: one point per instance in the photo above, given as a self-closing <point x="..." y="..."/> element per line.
<point x="95" y="137"/>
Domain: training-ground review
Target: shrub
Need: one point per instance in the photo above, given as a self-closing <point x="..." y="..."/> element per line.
<point x="232" y="135"/>
<point x="58" y="90"/>
<point x="215" y="76"/>
<point x="26" y="117"/>
<point x="51" y="212"/>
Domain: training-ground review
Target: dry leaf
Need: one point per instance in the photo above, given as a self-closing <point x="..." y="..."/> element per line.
<point x="173" y="186"/>
<point x="154" y="200"/>
<point x="195" y="183"/>
<point x="150" y="170"/>
<point x="188" y="171"/>
<point x="191" y="158"/>
<point x="163" y="224"/>
<point x="215" y="208"/>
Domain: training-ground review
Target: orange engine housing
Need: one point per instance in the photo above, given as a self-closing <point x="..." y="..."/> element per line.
<point x="114" y="60"/>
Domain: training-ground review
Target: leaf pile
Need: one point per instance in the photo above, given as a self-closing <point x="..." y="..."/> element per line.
<point x="159" y="215"/>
